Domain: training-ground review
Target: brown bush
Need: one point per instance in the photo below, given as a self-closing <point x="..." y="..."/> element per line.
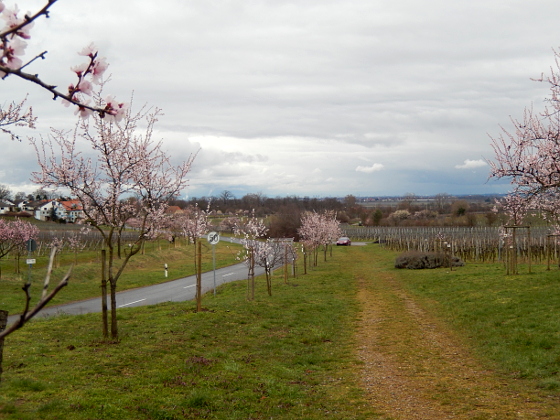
<point x="418" y="260"/>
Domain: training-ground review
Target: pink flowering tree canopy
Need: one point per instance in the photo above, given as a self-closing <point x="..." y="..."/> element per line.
<point x="194" y="223"/>
<point x="15" y="234"/>
<point x="319" y="229"/>
<point x="529" y="153"/>
<point x="249" y="231"/>
<point x="129" y="177"/>
<point x="124" y="178"/>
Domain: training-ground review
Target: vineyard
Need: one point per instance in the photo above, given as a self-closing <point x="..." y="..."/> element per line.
<point x="521" y="244"/>
<point x="73" y="240"/>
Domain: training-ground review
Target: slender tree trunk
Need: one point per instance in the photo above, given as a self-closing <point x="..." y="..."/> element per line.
<point x="17" y="264"/>
<point x="268" y="281"/>
<point x="251" y="276"/>
<point x="198" y="275"/>
<point x="104" y="315"/>
<point x="3" y="323"/>
<point x="114" y="329"/>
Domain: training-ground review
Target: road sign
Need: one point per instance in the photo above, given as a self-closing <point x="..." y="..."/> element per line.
<point x="30" y="261"/>
<point x="31" y="245"/>
<point x="213" y="238"/>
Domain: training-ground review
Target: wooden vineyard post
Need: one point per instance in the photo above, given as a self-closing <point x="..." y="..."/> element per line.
<point x="3" y="323"/>
<point x="529" y="256"/>
<point x="285" y="263"/>
<point x="549" y="250"/>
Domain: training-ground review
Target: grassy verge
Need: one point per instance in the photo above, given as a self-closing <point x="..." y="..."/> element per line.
<point x="142" y="270"/>
<point x="289" y="356"/>
<point x="511" y="321"/>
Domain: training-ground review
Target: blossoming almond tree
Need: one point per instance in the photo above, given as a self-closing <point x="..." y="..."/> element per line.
<point x="15" y="234"/>
<point x="14" y="36"/>
<point x="268" y="254"/>
<point x="250" y="230"/>
<point x="309" y="233"/>
<point x="318" y="229"/>
<point x="194" y="224"/>
<point x="126" y="163"/>
<point x="530" y="154"/>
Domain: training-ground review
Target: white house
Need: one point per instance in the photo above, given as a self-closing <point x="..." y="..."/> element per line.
<point x="6" y="206"/>
<point x="44" y="210"/>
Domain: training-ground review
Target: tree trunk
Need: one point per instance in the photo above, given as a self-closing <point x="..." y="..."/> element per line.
<point x="104" y="314"/>
<point x="268" y="272"/>
<point x="114" y="330"/>
<point x="3" y="323"/>
<point x="251" y="276"/>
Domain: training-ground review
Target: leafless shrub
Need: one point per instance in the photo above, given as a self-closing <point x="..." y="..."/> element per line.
<point x="418" y="260"/>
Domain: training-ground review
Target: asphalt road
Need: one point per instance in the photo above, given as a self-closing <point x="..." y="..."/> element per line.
<point x="172" y="291"/>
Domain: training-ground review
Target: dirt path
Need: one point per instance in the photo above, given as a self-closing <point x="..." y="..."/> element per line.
<point x="414" y="368"/>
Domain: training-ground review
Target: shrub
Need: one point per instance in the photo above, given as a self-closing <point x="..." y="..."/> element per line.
<point x="417" y="260"/>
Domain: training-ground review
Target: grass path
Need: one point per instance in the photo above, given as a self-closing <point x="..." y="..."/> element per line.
<point x="414" y="367"/>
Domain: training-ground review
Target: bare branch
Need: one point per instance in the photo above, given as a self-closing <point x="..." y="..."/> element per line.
<point x="28" y="19"/>
<point x="28" y="314"/>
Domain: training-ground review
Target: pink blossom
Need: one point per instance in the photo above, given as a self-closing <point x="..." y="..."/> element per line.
<point x="1" y="6"/>
<point x="23" y="32"/>
<point x="13" y="62"/>
<point x="89" y="51"/>
<point x="85" y="87"/>
<point x="84" y="112"/>
<point x="17" y="46"/>
<point x="10" y="17"/>
<point x="116" y="111"/>
<point x="99" y="67"/>
<point x="80" y="69"/>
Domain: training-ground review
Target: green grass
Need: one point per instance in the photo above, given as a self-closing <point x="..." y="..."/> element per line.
<point x="512" y="321"/>
<point x="142" y="270"/>
<point x="289" y="356"/>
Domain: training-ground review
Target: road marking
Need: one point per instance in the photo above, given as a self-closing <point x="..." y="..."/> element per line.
<point x="192" y="285"/>
<point x="228" y="274"/>
<point x="132" y="303"/>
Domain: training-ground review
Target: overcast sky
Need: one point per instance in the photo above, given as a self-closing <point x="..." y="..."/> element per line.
<point x="308" y="98"/>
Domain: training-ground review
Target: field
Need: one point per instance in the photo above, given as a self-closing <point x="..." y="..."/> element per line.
<point x="301" y="354"/>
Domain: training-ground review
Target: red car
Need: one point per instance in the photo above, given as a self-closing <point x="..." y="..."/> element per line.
<point x="344" y="241"/>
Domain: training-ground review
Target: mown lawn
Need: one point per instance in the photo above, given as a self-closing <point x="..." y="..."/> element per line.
<point x="289" y="356"/>
<point x="513" y="322"/>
